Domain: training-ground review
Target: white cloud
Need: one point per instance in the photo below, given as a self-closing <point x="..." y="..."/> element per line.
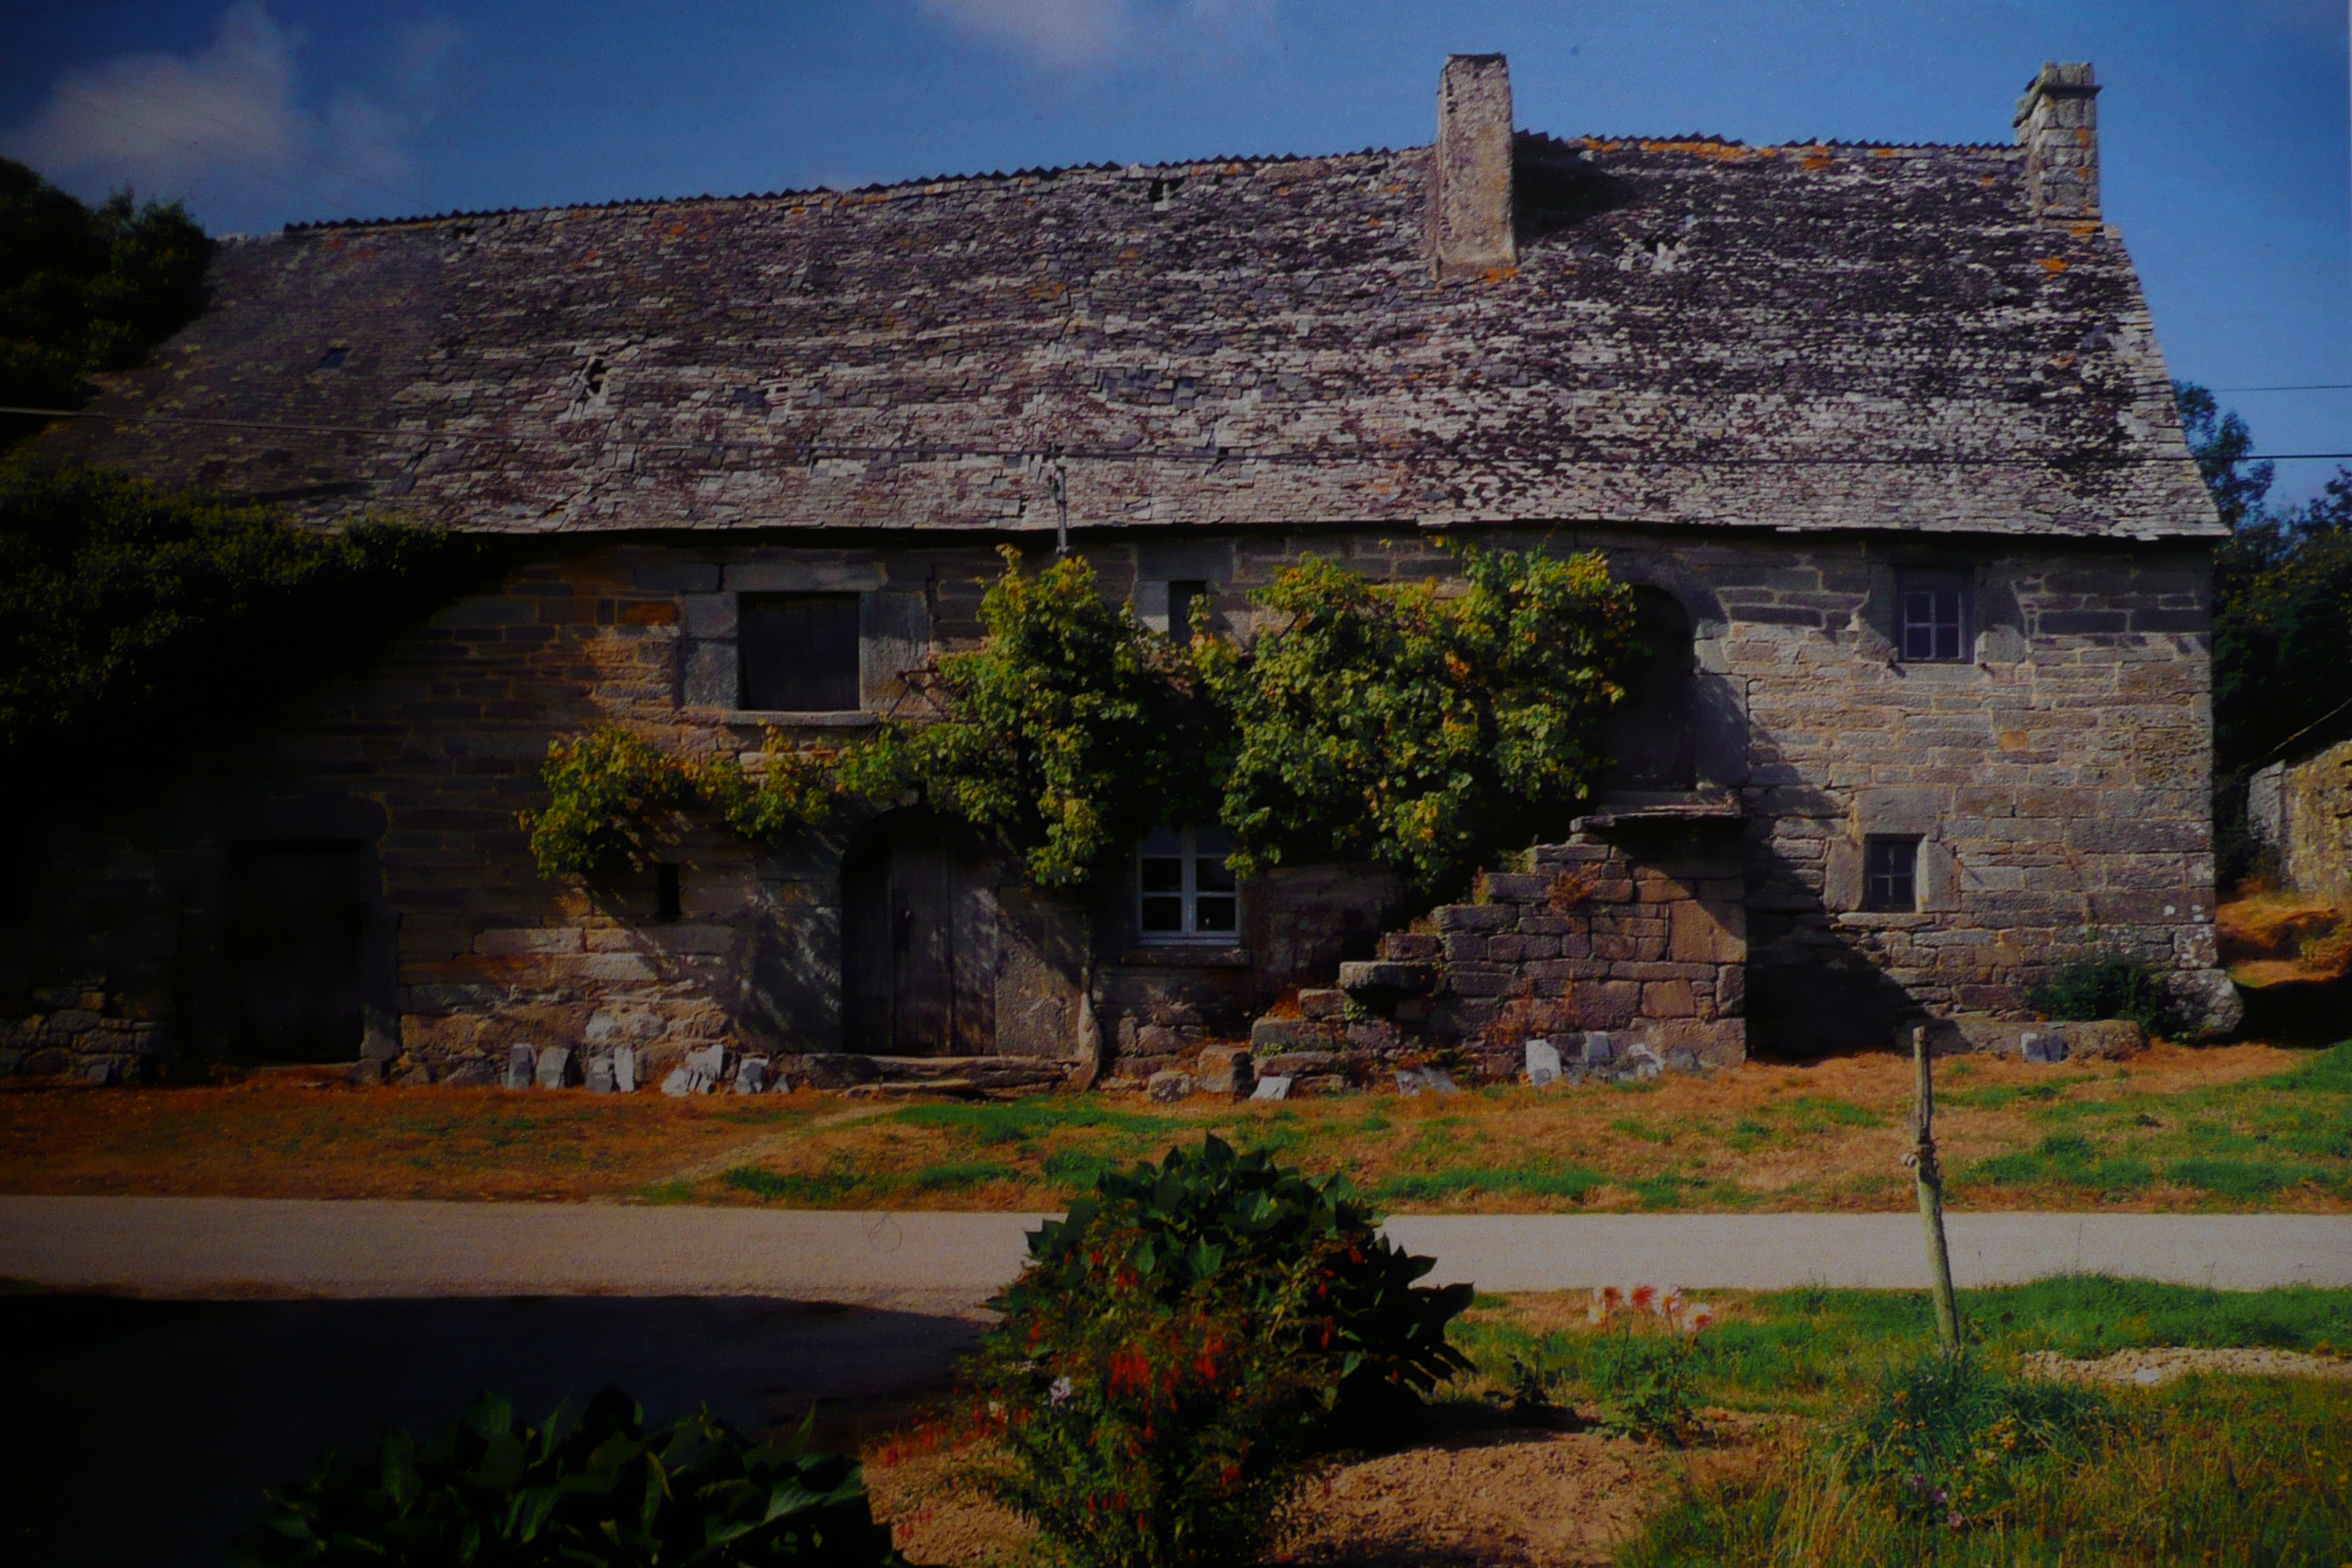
<point x="1090" y="32"/>
<point x="226" y="128"/>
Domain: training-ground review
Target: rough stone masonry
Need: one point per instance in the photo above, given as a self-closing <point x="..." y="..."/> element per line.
<point x="1882" y="432"/>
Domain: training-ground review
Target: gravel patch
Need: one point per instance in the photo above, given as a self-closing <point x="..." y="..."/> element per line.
<point x="2147" y="1368"/>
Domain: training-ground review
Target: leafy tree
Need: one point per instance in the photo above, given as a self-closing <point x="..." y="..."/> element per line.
<point x="1419" y="727"/>
<point x="2282" y="614"/>
<point x="2283" y="594"/>
<point x="86" y="289"/>
<point x="132" y="615"/>
<point x="2219" y="441"/>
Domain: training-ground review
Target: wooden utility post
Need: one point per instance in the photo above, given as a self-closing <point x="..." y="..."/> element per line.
<point x="1931" y="1193"/>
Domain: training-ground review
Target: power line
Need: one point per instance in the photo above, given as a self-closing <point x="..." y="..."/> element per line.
<point x="811" y="451"/>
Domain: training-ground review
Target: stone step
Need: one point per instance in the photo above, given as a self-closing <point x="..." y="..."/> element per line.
<point x="1387" y="977"/>
<point x="1294" y="1034"/>
<point x="1412" y="947"/>
<point x="1330" y="1004"/>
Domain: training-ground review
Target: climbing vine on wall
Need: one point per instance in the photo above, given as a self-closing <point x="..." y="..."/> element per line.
<point x="1421" y="727"/>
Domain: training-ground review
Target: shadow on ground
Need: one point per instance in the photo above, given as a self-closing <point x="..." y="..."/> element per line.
<point x="141" y="1431"/>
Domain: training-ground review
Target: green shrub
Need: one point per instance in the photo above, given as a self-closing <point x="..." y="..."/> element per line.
<point x="2107" y="986"/>
<point x="1943" y="1436"/>
<point x="601" y="1490"/>
<point x="1212" y="1212"/>
<point x="1174" y="1354"/>
<point x="1644" y="1384"/>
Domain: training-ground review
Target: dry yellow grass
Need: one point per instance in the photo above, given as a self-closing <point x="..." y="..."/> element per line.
<point x="1763" y="1136"/>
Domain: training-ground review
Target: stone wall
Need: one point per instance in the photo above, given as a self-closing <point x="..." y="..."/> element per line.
<point x="1623" y="948"/>
<point x="2057" y="780"/>
<point x="2302" y="812"/>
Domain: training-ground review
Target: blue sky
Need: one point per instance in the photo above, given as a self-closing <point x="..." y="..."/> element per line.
<point x="2226" y="149"/>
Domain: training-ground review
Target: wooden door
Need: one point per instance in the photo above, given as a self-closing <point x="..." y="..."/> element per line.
<point x="298" y="928"/>
<point x="918" y="926"/>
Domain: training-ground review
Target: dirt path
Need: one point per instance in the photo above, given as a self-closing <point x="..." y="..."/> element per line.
<point x="935" y="1261"/>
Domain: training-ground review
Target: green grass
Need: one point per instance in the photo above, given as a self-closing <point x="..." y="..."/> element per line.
<point x="2240" y="1471"/>
<point x="1785" y="1349"/>
<point x="2241" y="1144"/>
<point x="829" y="1187"/>
<point x="2205" y="1472"/>
<point x="1017" y="1120"/>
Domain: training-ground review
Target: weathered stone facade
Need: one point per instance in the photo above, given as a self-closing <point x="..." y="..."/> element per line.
<point x="2301" y="811"/>
<point x="1781" y="388"/>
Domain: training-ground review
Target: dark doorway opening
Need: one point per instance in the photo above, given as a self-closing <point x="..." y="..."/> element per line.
<point x="919" y="940"/>
<point x="297" y="931"/>
<point x="1649" y="733"/>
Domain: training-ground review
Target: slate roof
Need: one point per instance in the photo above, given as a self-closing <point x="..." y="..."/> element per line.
<point x="1697" y="332"/>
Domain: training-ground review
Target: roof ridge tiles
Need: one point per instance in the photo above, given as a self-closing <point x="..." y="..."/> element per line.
<point x="1041" y="171"/>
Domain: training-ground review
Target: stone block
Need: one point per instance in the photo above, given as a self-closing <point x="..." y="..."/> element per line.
<point x="1668" y="999"/>
<point x="1708" y="933"/>
<point x="1387" y="977"/>
<point x="552" y="1069"/>
<point x="625" y="1069"/>
<point x="1158" y="1040"/>
<point x="523" y="1066"/>
<point x="750" y="1075"/>
<point x="1271" y="1088"/>
<point x="1298" y="1064"/>
<point x="1543" y="1063"/>
<point x="1498" y="888"/>
<point x="700" y="1073"/>
<point x="1472" y="917"/>
<point x="1598" y="1050"/>
<point x="1290" y="1034"/>
<point x="477" y="1072"/>
<point x="1481" y="980"/>
<point x="602" y="1079"/>
<point x="1223" y="1070"/>
<point x="1323" y="1003"/>
<point x="1412" y="947"/>
<point x="1167" y="1088"/>
<point x="1604" y="1003"/>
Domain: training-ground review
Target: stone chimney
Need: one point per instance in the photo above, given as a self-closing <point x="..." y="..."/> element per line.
<point x="2058" y="126"/>
<point x="1470" y="182"/>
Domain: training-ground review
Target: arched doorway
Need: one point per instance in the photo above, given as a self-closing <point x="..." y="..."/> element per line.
<point x="1649" y="733"/>
<point x="919" y="940"/>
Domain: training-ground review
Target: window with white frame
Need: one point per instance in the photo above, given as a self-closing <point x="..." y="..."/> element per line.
<point x="1185" y="892"/>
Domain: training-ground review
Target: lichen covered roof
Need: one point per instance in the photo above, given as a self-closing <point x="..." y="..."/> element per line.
<point x="1697" y="332"/>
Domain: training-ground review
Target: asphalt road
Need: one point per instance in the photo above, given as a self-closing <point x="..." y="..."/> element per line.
<point x="141" y="1430"/>
<point x="950" y="1263"/>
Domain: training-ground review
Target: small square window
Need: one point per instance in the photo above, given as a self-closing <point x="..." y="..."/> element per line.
<point x="1890" y="875"/>
<point x="799" y="652"/>
<point x="1188" y="610"/>
<point x="1935" y="621"/>
<point x="1184" y="890"/>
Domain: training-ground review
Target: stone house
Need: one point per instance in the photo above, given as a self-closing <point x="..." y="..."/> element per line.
<point x="1882" y="435"/>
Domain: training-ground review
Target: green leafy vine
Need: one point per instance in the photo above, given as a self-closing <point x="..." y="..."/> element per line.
<point x="1418" y="726"/>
